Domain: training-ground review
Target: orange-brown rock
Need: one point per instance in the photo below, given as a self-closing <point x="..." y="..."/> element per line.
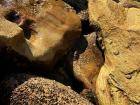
<point x="41" y="30"/>
<point x="87" y="60"/>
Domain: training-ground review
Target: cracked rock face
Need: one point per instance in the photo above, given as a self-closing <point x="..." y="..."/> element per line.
<point x="40" y="91"/>
<point x="41" y="30"/>
<point x="118" y="82"/>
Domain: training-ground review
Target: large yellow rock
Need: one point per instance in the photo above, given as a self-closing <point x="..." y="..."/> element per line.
<point x="39" y="30"/>
<point x="118" y="82"/>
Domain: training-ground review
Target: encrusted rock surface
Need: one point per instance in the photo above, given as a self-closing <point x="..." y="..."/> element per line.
<point x="40" y="91"/>
<point x="118" y="81"/>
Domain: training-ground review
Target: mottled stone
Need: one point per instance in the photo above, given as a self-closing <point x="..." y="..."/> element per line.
<point x="41" y="91"/>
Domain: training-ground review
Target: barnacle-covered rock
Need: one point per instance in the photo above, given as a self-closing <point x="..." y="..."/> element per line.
<point x="40" y="91"/>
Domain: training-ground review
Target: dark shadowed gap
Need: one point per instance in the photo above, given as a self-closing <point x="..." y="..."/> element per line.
<point x="117" y="1"/>
<point x="12" y="16"/>
<point x="25" y="24"/>
<point x="27" y="28"/>
<point x="86" y="28"/>
<point x="78" y="5"/>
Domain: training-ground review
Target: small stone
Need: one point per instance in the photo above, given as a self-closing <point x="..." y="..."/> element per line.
<point x="128" y="76"/>
<point x="116" y="52"/>
<point x="103" y="47"/>
<point x="110" y="42"/>
<point x="127" y="46"/>
<point x="99" y="39"/>
<point x="94" y="44"/>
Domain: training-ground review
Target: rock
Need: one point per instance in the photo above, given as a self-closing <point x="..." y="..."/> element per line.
<point x="41" y="91"/>
<point x="120" y="25"/>
<point x="38" y="30"/>
<point x="130" y="3"/>
<point x="78" y="4"/>
<point x="9" y="83"/>
<point x="83" y="15"/>
<point x="81" y="7"/>
<point x="87" y="60"/>
<point x="89" y="95"/>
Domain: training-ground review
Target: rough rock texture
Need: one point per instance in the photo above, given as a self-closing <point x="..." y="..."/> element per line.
<point x="118" y="82"/>
<point x="78" y="4"/>
<point x="89" y="95"/>
<point x="40" y="30"/>
<point x="83" y="15"/>
<point x="81" y="7"/>
<point x="130" y="3"/>
<point x="9" y="83"/>
<point x="40" y="91"/>
<point x="87" y="60"/>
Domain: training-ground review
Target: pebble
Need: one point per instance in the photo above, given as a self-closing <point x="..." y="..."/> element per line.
<point x="116" y="52"/>
<point x="128" y="76"/>
<point x="100" y="39"/>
